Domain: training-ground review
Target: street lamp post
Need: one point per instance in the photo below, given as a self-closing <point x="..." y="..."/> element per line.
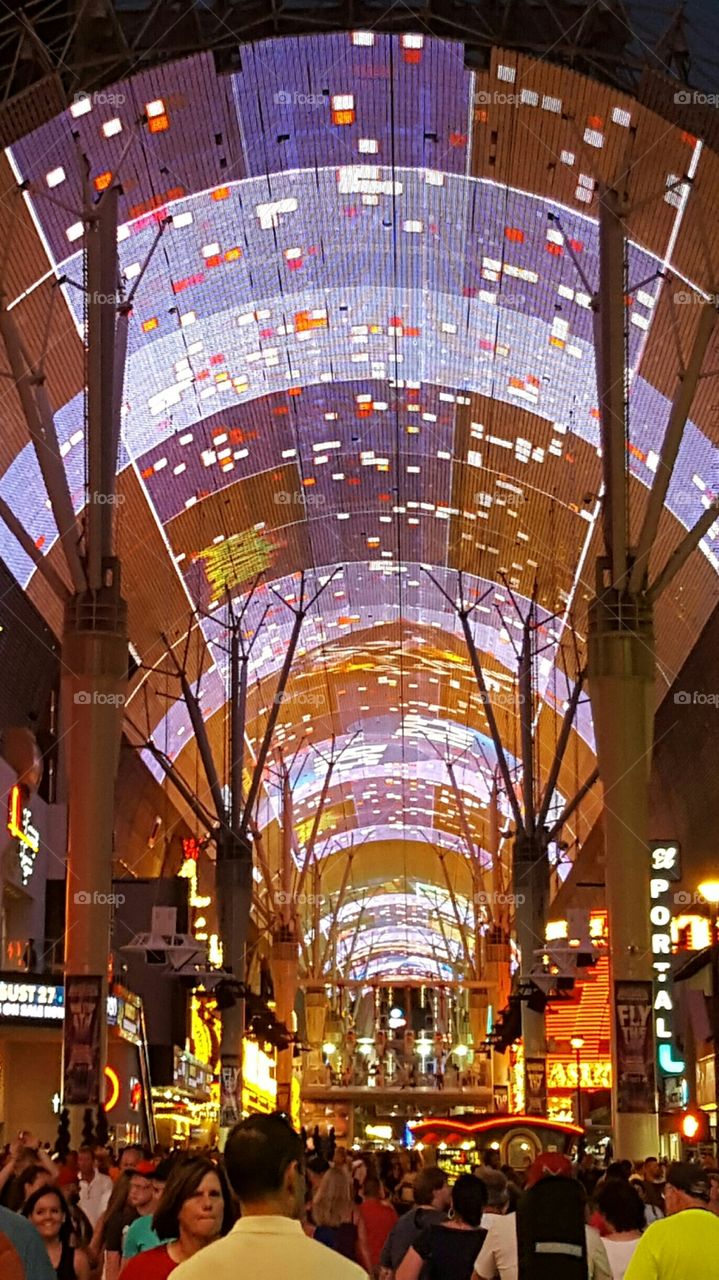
<point x="709" y="889"/>
<point x="577" y="1043"/>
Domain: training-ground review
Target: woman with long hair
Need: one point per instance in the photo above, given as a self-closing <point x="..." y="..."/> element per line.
<point x="623" y="1212"/>
<point x="337" y="1220"/>
<point x="107" y="1236"/>
<point x="195" y="1209"/>
<point x="450" y="1248"/>
<point x="48" y="1211"/>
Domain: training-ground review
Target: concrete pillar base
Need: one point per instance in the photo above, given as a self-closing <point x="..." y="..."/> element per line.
<point x="94" y="688"/>
<point x="284" y="966"/>
<point x="531" y="888"/>
<point x="621" y="684"/>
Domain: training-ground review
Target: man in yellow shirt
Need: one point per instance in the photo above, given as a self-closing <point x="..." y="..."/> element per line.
<point x="264" y="1160"/>
<point x="686" y="1242"/>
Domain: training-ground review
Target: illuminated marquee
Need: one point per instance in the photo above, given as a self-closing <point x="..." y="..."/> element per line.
<point x="259" y="1086"/>
<point x="665" y="867"/>
<point x="19" y="824"/>
<point x="593" y="1075"/>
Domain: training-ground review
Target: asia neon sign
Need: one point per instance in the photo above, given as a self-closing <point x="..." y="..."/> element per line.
<point x="594" y="1074"/>
<point x="665" y="868"/>
<point x="19" y="824"/>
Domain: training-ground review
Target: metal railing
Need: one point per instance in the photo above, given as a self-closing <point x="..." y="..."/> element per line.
<point x="33" y="955"/>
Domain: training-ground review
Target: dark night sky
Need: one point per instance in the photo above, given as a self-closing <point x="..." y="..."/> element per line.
<point x="702" y="29"/>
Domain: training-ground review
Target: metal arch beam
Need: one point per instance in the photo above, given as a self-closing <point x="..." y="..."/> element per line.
<point x="491" y="720"/>
<point x="679" y="412"/>
<point x="609" y="337"/>
<point x="300" y="615"/>
<point x="561" y="747"/>
<point x="338" y="907"/>
<point x="178" y="782"/>
<point x="316" y="823"/>
<point x="681" y="554"/>
<point x="476" y="861"/>
<point x="43" y="566"/>
<point x="526" y="704"/>
<point x="200" y="731"/>
<point x="47" y="450"/>
<point x="572" y="805"/>
<point x="460" y="923"/>
<point x="102" y="408"/>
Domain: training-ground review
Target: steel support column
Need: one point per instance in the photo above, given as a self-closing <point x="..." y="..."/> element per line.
<point x="233" y="881"/>
<point x="621" y="684"/>
<point x="95" y="676"/>
<point x="284" y="956"/>
<point x="531" y="894"/>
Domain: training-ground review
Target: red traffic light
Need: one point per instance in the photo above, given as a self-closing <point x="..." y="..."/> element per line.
<point x="694" y="1127"/>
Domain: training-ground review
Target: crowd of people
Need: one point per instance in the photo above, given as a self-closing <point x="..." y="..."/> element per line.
<point x="285" y="1211"/>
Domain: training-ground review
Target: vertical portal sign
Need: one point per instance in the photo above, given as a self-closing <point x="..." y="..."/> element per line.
<point x="665" y="871"/>
<point x="81" y="1041"/>
<point x="230" y="1102"/>
<point x="535" y="1086"/>
<point x="636" y="1086"/>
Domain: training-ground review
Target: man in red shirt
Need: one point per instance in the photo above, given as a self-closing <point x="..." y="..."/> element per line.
<point x="379" y="1218"/>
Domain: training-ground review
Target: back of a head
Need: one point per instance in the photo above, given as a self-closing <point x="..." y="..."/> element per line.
<point x="318" y="1165"/>
<point x="372" y="1187"/>
<point x="469" y="1197"/>
<point x="496" y="1187"/>
<point x="258" y="1152"/>
<point x="333" y="1202"/>
<point x="621" y="1205"/>
<point x="551" y="1231"/>
<point x="427" y="1182"/>
<point x="690" y="1180"/>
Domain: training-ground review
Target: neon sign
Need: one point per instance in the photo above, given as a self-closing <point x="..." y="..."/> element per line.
<point x="665" y="867"/>
<point x="594" y="1074"/>
<point x="19" y="824"/>
<point x="113" y="1088"/>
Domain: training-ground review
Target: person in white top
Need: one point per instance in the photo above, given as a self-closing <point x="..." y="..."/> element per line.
<point x="95" y="1187"/>
<point x="499" y="1255"/>
<point x="264" y="1160"/>
<point x="622" y="1208"/>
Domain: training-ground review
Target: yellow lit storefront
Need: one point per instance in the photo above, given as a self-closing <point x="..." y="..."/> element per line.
<point x="259" y="1086"/>
<point x="259" y="1083"/>
<point x="186" y="1112"/>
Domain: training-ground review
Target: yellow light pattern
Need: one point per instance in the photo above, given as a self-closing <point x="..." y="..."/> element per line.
<point x="594" y="1075"/>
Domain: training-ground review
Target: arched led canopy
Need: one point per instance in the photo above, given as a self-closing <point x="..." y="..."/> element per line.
<point x="365" y="340"/>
